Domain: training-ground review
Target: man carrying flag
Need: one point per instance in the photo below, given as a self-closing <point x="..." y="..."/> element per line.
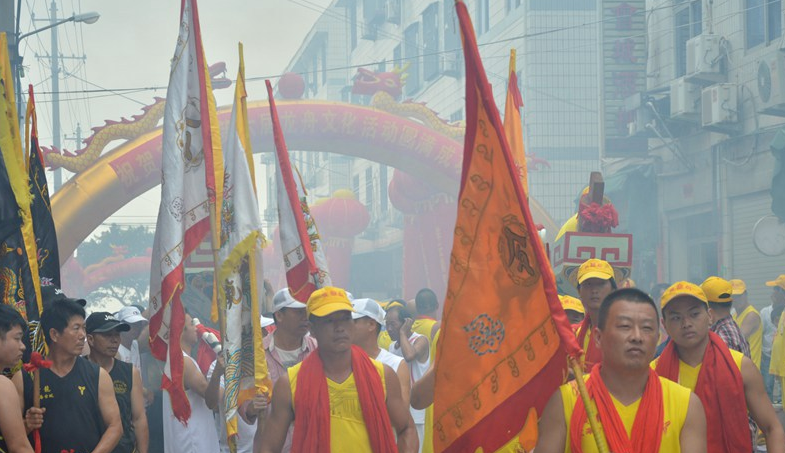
<point x="303" y="255"/>
<point x="499" y="356"/>
<point x="191" y="183"/>
<point x="640" y="411"/>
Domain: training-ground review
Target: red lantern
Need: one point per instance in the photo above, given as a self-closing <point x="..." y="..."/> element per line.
<point x="341" y="215"/>
<point x="291" y="86"/>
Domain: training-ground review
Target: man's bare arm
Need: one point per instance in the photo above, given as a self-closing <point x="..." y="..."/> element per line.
<point x="552" y="427"/>
<point x="138" y="415"/>
<point x="11" y="423"/>
<point x="760" y="407"/>
<point x="693" y="433"/>
<point x="405" y="379"/>
<point x="277" y="424"/>
<point x="110" y="412"/>
<point x="400" y="417"/>
<point x="193" y="378"/>
<point x="422" y="390"/>
<point x="750" y="324"/>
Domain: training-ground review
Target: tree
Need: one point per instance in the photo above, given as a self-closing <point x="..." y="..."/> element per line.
<point x="108" y="260"/>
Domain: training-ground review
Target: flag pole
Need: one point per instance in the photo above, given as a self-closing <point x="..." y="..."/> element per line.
<point x="591" y="408"/>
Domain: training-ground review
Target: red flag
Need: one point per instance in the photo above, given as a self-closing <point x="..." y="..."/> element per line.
<point x="505" y="338"/>
<point x="303" y="255"/>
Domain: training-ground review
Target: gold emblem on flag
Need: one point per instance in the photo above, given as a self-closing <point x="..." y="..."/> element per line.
<point x="515" y="250"/>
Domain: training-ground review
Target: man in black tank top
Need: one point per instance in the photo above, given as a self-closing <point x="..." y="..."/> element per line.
<point x="79" y="412"/>
<point x="103" y="336"/>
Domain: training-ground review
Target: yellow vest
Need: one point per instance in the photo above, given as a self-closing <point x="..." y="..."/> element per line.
<point x="756" y="339"/>
<point x="688" y="375"/>
<point x="427" y="441"/>
<point x="675" y="398"/>
<point x="777" y="367"/>
<point x="347" y="426"/>
<point x="424" y="327"/>
<point x="384" y="341"/>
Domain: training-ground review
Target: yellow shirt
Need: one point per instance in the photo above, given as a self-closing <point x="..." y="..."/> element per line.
<point x="756" y="339"/>
<point x="427" y="441"/>
<point x="675" y="399"/>
<point x="347" y="426"/>
<point x="688" y="375"/>
<point x="424" y="326"/>
<point x="777" y="367"/>
<point x="384" y="341"/>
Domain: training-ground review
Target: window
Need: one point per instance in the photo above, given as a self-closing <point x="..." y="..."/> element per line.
<point x="411" y="52"/>
<point x="430" y="38"/>
<point x="510" y="5"/>
<point x="762" y="21"/>
<point x="689" y="23"/>
<point x="383" y="198"/>
<point x="353" y="24"/>
<point x="369" y="188"/>
<point x="453" y="60"/>
<point x="483" y="23"/>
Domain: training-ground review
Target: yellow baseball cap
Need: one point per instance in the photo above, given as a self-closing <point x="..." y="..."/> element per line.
<point x="682" y="289"/>
<point x="739" y="287"/>
<point x="328" y="300"/>
<point x="717" y="290"/>
<point x="779" y="281"/>
<point x="572" y="303"/>
<point x="594" y="268"/>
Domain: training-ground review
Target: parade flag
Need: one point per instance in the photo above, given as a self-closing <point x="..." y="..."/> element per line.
<point x="191" y="182"/>
<point x="303" y="255"/>
<point x="41" y="208"/>
<point x="505" y="338"/>
<point x="240" y="266"/>
<point x="18" y="263"/>
<point x="512" y="125"/>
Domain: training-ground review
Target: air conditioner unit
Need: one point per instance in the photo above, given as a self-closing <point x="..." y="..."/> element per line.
<point x="685" y="100"/>
<point x="720" y="109"/>
<point x="771" y="83"/>
<point x="452" y="64"/>
<point x="639" y="126"/>
<point x="704" y="60"/>
<point x="393" y="11"/>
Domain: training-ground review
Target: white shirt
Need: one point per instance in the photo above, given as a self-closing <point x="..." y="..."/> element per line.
<point x="417" y="370"/>
<point x="769" y="329"/>
<point x="388" y="358"/>
<point x="245" y="432"/>
<point x="199" y="435"/>
<point x="131" y="356"/>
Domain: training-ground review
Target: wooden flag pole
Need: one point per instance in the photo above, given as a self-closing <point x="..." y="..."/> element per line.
<point x="591" y="409"/>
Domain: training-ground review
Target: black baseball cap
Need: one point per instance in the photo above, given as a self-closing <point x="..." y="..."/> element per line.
<point x="51" y="294"/>
<point x="103" y="321"/>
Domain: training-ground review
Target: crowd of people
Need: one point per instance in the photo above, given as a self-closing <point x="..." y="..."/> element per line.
<point x="691" y="368"/>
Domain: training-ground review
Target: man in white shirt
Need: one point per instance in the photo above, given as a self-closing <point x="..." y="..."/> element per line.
<point x="129" y="346"/>
<point x="368" y="321"/>
<point x="415" y="350"/>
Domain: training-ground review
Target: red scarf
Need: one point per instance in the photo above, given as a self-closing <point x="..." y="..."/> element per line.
<point x="646" y="429"/>
<point x="592" y="354"/>
<point x="721" y="390"/>
<point x="312" y="405"/>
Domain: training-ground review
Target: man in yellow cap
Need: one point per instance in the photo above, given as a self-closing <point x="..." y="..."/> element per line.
<point x="748" y="320"/>
<point x="719" y="293"/>
<point x="338" y="396"/>
<point x="727" y="383"/>
<point x="573" y="308"/>
<point x="595" y="282"/>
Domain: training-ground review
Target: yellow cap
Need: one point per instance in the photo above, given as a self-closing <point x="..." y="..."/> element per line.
<point x="717" y="290"/>
<point x="682" y="289"/>
<point x="739" y="287"/>
<point x="572" y="303"/>
<point x="594" y="268"/>
<point x="328" y="300"/>
<point x="392" y="304"/>
<point x="779" y="281"/>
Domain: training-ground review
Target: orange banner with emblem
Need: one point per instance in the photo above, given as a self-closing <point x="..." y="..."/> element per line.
<point x="505" y="338"/>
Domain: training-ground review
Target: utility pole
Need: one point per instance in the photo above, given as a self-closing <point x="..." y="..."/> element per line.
<point x="55" y="65"/>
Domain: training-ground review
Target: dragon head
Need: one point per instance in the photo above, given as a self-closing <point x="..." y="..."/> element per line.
<point x="370" y="82"/>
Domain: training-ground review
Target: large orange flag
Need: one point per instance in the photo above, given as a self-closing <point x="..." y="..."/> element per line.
<point x="505" y="338"/>
<point x="512" y="125"/>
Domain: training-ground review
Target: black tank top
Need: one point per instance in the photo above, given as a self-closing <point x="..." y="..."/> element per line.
<point x="122" y="379"/>
<point x="72" y="422"/>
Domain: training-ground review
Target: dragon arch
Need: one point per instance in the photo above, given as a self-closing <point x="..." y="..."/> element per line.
<point x="407" y="136"/>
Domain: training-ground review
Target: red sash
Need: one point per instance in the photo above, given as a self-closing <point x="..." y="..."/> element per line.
<point x="646" y="429"/>
<point x="592" y="355"/>
<point x="312" y="405"/>
<point x="720" y="388"/>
